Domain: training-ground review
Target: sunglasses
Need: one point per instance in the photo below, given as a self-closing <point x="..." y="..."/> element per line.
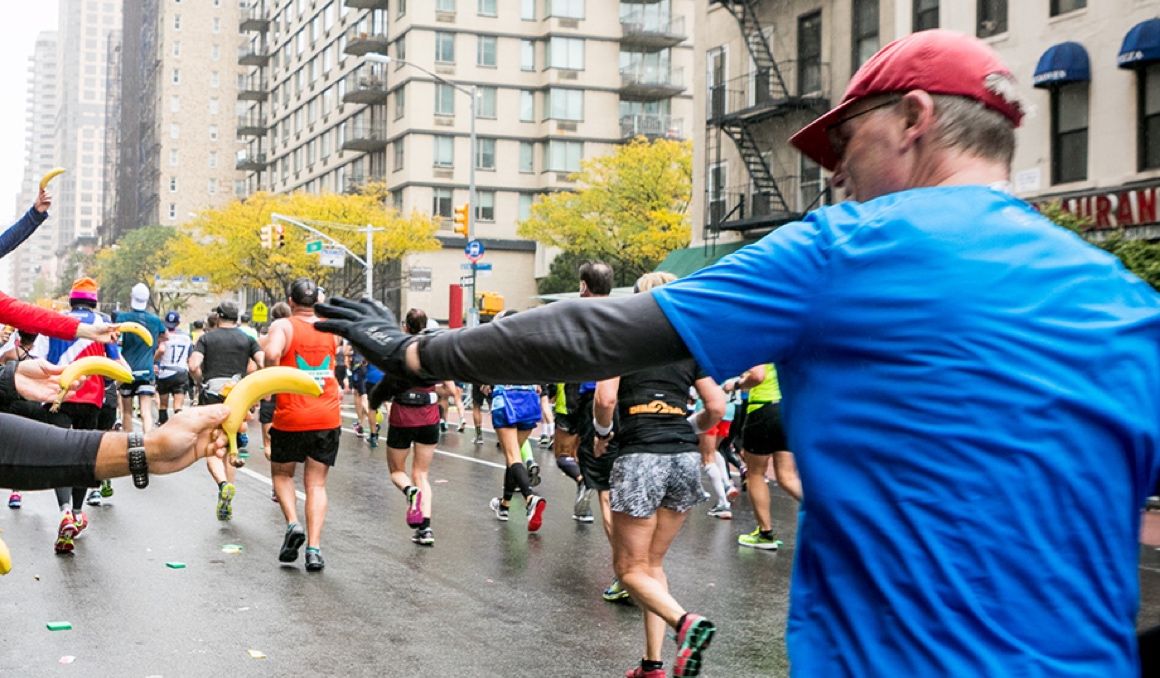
<point x="837" y="141"/>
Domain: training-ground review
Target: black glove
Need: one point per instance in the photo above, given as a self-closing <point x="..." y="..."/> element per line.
<point x="375" y="332"/>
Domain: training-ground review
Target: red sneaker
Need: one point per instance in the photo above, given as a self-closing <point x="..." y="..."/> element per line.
<point x="536" y="506"/>
<point x="65" y="534"/>
<point x="693" y="638"/>
<point x="639" y="672"/>
<point x="81" y="521"/>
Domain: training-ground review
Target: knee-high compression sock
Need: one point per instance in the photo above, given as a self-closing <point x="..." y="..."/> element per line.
<point x="162" y="415"/>
<point x="522" y="480"/>
<point x="526" y="452"/>
<point x="729" y="452"/>
<point x="724" y="469"/>
<point x="78" y="498"/>
<point x="63" y="497"/>
<point x="717" y="481"/>
<point x="570" y="467"/>
<point x="509" y="483"/>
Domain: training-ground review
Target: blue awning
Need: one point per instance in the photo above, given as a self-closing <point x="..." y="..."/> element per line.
<point x="1061" y="64"/>
<point x="1141" y="45"/>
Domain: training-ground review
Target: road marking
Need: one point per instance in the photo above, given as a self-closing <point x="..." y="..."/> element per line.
<point x="451" y="454"/>
<point x="264" y="479"/>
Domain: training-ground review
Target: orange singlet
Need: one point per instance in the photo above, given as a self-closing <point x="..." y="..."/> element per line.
<point x="312" y="352"/>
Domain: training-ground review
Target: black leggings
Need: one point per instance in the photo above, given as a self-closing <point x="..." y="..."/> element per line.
<point x="515" y="477"/>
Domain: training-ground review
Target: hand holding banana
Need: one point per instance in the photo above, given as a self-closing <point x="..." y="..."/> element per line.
<point x="98" y="365"/>
<point x="254" y="387"/>
<point x="136" y="329"/>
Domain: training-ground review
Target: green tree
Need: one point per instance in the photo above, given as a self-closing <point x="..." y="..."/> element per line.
<point x="629" y="211"/>
<point x="564" y="274"/>
<point x="137" y="257"/>
<point x="1141" y="257"/>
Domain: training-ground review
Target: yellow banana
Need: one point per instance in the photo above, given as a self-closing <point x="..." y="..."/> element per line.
<point x="256" y="386"/>
<point x="5" y="558"/>
<point x="85" y="367"/>
<point x="137" y="329"/>
<point x="52" y="174"/>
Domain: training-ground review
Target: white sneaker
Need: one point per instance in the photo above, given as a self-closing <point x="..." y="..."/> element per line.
<point x="722" y="511"/>
<point x="94" y="498"/>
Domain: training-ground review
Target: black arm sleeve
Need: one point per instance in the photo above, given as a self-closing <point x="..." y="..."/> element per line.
<point x="579" y="340"/>
<point x="36" y="456"/>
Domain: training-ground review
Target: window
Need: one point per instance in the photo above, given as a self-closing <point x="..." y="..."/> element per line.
<point x="212" y="186"/>
<point x="485" y="154"/>
<point x="485" y="51"/>
<point x="401" y="10"/>
<point x="176" y="50"/>
<point x="444" y="5"/>
<point x="172" y="210"/>
<point x="174" y="103"/>
<point x="441" y="202"/>
<point x="527" y="156"/>
<point x="865" y="34"/>
<point x="175" y="78"/>
<point x="992" y="18"/>
<point x="527" y="105"/>
<point x="564" y="9"/>
<point x="400" y="102"/>
<point x="1064" y="6"/>
<point x="485" y="205"/>
<point x="526" y="200"/>
<point x="565" y="104"/>
<point x="444" y="99"/>
<point x="566" y="53"/>
<point x="925" y="15"/>
<point x="527" y="55"/>
<point x="399" y="151"/>
<point x="563" y="156"/>
<point x="809" y="53"/>
<point x="215" y="52"/>
<point x="1069" y="133"/>
<point x="485" y="105"/>
<point x="214" y="105"/>
<point x="177" y="22"/>
<point x="217" y="25"/>
<point x="811" y="185"/>
<point x="213" y="132"/>
<point x="486" y="8"/>
<point x="716" y="189"/>
<point x="174" y="131"/>
<point x="528" y="10"/>
<point x="1149" y="78"/>
<point x="173" y="157"/>
<point x="213" y="159"/>
<point x="444" y="152"/>
<point x="215" y="79"/>
<point x="445" y="47"/>
<point x="172" y="184"/>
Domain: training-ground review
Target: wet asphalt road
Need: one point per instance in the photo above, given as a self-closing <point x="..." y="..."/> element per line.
<point x="488" y="600"/>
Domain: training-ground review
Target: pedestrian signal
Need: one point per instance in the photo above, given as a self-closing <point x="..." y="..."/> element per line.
<point x="267" y="236"/>
<point x="462" y="217"/>
<point x="280" y="231"/>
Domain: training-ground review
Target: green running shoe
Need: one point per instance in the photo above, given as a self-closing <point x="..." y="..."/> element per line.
<point x="755" y="540"/>
<point x="615" y="592"/>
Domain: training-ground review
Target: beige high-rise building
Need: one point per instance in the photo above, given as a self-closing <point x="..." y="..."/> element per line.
<point x="1102" y="160"/>
<point x="557" y="82"/>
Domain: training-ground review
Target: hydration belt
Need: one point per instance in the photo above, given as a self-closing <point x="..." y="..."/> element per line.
<point x="416" y="398"/>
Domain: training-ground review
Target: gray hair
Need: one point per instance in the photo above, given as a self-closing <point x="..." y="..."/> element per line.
<point x="969" y="126"/>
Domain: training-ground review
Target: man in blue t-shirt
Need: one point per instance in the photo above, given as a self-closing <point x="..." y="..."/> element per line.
<point x="141" y="358"/>
<point x="956" y="372"/>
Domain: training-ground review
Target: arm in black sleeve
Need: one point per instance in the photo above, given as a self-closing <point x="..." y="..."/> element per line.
<point x="579" y="340"/>
<point x="8" y="392"/>
<point x="36" y="456"/>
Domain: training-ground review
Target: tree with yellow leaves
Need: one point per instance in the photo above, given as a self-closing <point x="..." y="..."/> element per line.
<point x="224" y="243"/>
<point x="629" y="211"/>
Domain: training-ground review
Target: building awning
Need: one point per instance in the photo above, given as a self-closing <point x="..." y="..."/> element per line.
<point x="1141" y="45"/>
<point x="1061" y="64"/>
<point x="689" y="260"/>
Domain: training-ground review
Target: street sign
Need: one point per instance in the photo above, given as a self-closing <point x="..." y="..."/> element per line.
<point x="333" y="257"/>
<point x="420" y="279"/>
<point x="475" y="266"/>
<point x="261" y="313"/>
<point x="474" y="250"/>
<point x="313" y="246"/>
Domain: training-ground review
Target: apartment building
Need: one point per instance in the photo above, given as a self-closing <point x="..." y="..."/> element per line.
<point x="557" y="81"/>
<point x="765" y="68"/>
<point x="35" y="260"/>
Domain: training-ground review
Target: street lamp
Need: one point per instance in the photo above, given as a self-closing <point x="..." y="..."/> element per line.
<point x="472" y="92"/>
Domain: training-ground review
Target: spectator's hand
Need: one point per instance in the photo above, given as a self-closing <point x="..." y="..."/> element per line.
<point x="37" y="380"/>
<point x="188" y="436"/>
<point x="43" y="201"/>
<point x="374" y="331"/>
<point x="103" y="333"/>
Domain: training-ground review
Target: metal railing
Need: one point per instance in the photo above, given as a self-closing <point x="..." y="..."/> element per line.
<point x="365" y="84"/>
<point x="639" y="24"/>
<point x="651" y="125"/>
<point x="805" y="85"/>
<point x="653" y="77"/>
<point x="741" y="203"/>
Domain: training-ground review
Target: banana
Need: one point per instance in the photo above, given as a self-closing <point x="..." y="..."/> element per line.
<point x="5" y="558"/>
<point x="137" y="329"/>
<point x="52" y="174"/>
<point x="91" y="365"/>
<point x="256" y="386"/>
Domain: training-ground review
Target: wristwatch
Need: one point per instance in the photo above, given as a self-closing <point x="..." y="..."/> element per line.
<point x="138" y="465"/>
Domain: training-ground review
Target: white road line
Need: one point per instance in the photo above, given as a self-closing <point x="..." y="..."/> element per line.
<point x="453" y="454"/>
<point x="264" y="479"/>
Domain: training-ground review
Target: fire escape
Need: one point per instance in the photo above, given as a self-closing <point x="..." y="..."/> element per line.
<point x="738" y="109"/>
<point x="254" y="87"/>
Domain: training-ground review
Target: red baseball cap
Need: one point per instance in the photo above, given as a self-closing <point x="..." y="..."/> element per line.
<point x="936" y="61"/>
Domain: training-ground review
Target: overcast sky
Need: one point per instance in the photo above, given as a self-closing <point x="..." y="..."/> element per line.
<point x="22" y="21"/>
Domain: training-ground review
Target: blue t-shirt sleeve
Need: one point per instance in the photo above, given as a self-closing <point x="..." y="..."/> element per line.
<point x="753" y="305"/>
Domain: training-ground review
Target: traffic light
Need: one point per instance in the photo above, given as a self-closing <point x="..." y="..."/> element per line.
<point x="280" y="231"/>
<point x="267" y="235"/>
<point x="462" y="215"/>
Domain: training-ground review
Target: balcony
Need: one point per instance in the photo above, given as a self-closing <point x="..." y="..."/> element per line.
<point x="359" y="136"/>
<point x="367" y="4"/>
<point x="367" y="84"/>
<point x="253" y="89"/>
<point x="360" y="40"/>
<point x="250" y="161"/>
<point x="354" y="183"/>
<point x="651" y="34"/>
<point x="254" y="19"/>
<point x="253" y="54"/>
<point x="651" y="126"/>
<point x="651" y="84"/>
<point x="746" y="209"/>
<point x="252" y="124"/>
<point x="761" y="95"/>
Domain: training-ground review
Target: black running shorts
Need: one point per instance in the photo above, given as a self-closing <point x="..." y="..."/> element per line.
<point x="763" y="433"/>
<point x="402" y="437"/>
<point x="296" y="446"/>
<point x="178" y="382"/>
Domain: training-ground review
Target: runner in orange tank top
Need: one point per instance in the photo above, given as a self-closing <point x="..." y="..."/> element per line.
<point x="306" y="430"/>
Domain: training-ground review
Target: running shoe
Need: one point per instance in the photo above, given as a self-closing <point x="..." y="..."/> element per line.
<point x="65" y="533"/>
<point x="225" y="502"/>
<point x="94" y="498"/>
<point x="534" y="478"/>
<point x="106" y="488"/>
<point x="81" y="522"/>
<point x="755" y="540"/>
<point x="358" y="430"/>
<point x="243" y="440"/>
<point x="443" y="426"/>
<point x="14" y="500"/>
<point x="373" y="440"/>
<point x="582" y="507"/>
<point x="501" y="512"/>
<point x="732" y="493"/>
<point x="615" y="592"/>
<point x="693" y="638"/>
<point x="544" y="440"/>
<point x="274" y="496"/>
<point x="414" y="512"/>
<point x="314" y="561"/>
<point x="478" y="437"/>
<point x="424" y="537"/>
<point x="462" y="425"/>
<point x="722" y="511"/>
<point x="536" y="505"/>
<point x="294" y="539"/>
<point x="640" y="672"/>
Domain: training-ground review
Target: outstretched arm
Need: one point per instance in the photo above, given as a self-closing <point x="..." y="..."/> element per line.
<point x="20" y="231"/>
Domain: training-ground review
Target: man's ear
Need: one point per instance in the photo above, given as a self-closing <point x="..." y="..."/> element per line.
<point x="918" y="112"/>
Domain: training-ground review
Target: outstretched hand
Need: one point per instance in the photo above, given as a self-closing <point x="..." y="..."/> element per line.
<point x="38" y="380"/>
<point x="103" y="333"/>
<point x="188" y="436"/>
